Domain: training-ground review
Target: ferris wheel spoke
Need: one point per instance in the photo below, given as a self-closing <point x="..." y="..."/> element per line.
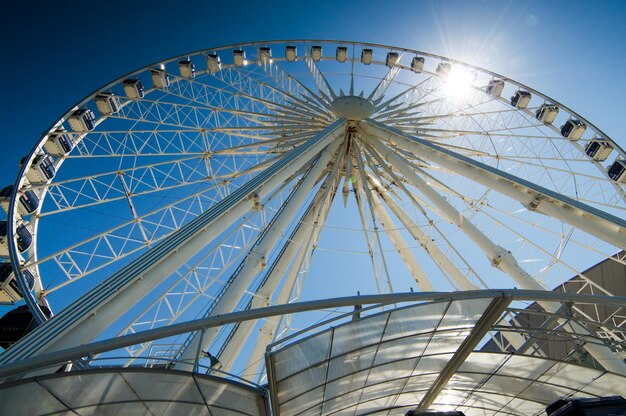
<point x="553" y="257"/>
<point x="301" y="266"/>
<point x="291" y="110"/>
<point x="136" y="143"/>
<point x="250" y="115"/>
<point x="287" y="82"/>
<point x="605" y="226"/>
<point x="183" y="116"/>
<point x="244" y="83"/>
<point x="257" y="257"/>
<point x="494" y="124"/>
<point x="208" y="272"/>
<point x="97" y="252"/>
<point x="266" y="288"/>
<point x="499" y="257"/>
<point x="188" y="243"/>
<point x="219" y="99"/>
<point x="201" y="92"/>
<point x="249" y="108"/>
<point x="324" y="89"/>
<point x="496" y="254"/>
<point x="159" y="142"/>
<point x="360" y="208"/>
<point x="379" y="91"/>
<point x="402" y="247"/>
<point x="446" y="258"/>
<point x="300" y="245"/>
<point x="413" y="94"/>
<point x="240" y="101"/>
<point x="144" y="180"/>
<point x="86" y="257"/>
<point x="592" y="189"/>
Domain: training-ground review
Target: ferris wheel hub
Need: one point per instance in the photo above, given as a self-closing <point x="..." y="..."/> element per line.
<point x="352" y="107"/>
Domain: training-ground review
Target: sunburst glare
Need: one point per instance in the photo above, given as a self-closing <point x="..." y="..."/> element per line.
<point x="459" y="82"/>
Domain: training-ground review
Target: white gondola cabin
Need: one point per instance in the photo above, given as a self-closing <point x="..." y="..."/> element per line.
<point x="213" y="63"/>
<point x="28" y="202"/>
<point x="443" y="69"/>
<point x="520" y="99"/>
<point x="316" y="53"/>
<point x="392" y="59"/>
<point x="546" y="113"/>
<point x="265" y="55"/>
<point x="82" y="120"/>
<point x="573" y="129"/>
<point x="133" y="88"/>
<point x="367" y="56"/>
<point x="291" y="53"/>
<point x="9" y="289"/>
<point x="417" y="64"/>
<point x="617" y="171"/>
<point x="58" y="143"/>
<point x="107" y="103"/>
<point x="41" y="170"/>
<point x="598" y="150"/>
<point x="160" y="78"/>
<point x="24" y="238"/>
<point x="187" y="68"/>
<point x="239" y="57"/>
<point x="495" y="88"/>
<point x="342" y="54"/>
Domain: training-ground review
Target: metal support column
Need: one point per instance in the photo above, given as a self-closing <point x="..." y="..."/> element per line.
<point x="484" y="324"/>
<point x="598" y="223"/>
<point x="91" y="314"/>
<point x="254" y="260"/>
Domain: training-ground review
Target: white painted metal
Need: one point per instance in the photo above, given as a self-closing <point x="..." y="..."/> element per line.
<point x="294" y="252"/>
<point x="499" y="257"/>
<point x="587" y="218"/>
<point x="215" y="132"/>
<point x="295" y="249"/>
<point x="401" y="246"/>
<point x="255" y="260"/>
<point x="93" y="314"/>
<point x="112" y="344"/>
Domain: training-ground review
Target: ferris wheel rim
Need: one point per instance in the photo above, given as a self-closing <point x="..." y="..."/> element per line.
<point x="32" y="300"/>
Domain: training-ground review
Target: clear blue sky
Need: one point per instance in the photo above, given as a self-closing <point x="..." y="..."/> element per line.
<point x="57" y="52"/>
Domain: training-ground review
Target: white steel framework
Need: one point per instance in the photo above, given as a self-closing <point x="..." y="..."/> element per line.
<point x="260" y="181"/>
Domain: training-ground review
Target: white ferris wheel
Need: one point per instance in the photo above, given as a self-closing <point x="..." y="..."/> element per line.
<point x="263" y="173"/>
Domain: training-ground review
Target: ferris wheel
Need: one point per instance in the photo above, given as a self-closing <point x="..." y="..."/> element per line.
<point x="255" y="174"/>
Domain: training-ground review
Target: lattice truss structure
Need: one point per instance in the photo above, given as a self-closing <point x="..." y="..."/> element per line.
<point x="219" y="181"/>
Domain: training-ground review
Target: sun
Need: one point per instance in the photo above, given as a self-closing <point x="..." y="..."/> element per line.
<point x="459" y="82"/>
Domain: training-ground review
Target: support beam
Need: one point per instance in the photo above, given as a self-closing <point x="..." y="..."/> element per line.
<point x="70" y="354"/>
<point x="549" y="322"/>
<point x="497" y="255"/>
<point x="361" y="194"/>
<point x="255" y="260"/>
<point x="594" y="221"/>
<point x="401" y="246"/>
<point x="484" y="324"/>
<point x="91" y="314"/>
<point x="294" y="252"/>
<point x="262" y="298"/>
<point x="439" y="257"/>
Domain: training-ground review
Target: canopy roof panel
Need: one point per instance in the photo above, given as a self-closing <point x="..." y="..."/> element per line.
<point x="430" y="355"/>
<point x="131" y="392"/>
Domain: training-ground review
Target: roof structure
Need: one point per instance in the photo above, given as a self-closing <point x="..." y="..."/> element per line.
<point x="426" y="356"/>
<point x="385" y="355"/>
